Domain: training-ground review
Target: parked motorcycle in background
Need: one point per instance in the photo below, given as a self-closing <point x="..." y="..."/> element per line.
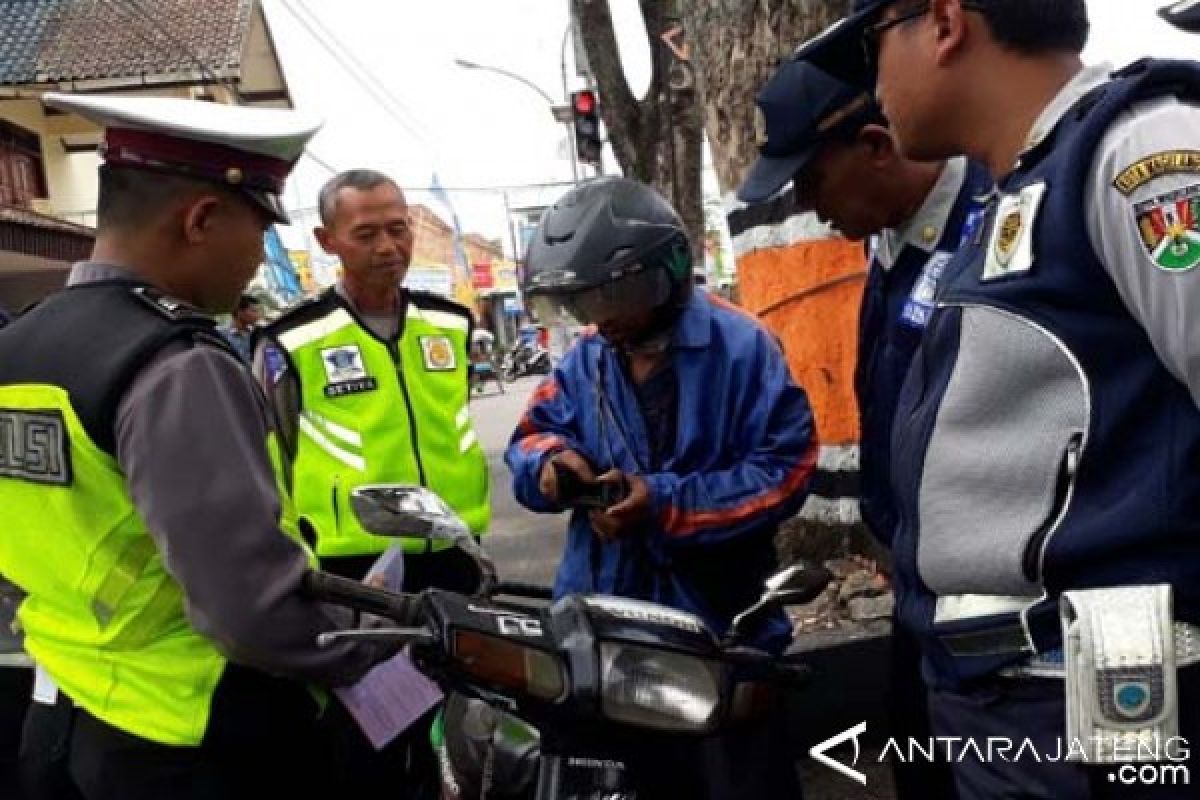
<point x="529" y="356"/>
<point x="564" y="700"/>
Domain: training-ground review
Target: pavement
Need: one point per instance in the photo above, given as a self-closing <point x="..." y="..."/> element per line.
<point x="525" y="546"/>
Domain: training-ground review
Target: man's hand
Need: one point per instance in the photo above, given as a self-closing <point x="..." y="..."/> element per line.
<point x="626" y="516"/>
<point x="569" y="459"/>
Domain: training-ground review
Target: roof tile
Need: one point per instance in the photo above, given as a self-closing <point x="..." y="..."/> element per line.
<point x="52" y="41"/>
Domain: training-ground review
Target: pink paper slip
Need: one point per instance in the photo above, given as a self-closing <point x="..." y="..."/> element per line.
<point x="389" y="699"/>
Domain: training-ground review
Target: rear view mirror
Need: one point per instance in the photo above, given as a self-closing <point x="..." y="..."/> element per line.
<point x="795" y="585"/>
<point x="392" y="509"/>
<point x="399" y="510"/>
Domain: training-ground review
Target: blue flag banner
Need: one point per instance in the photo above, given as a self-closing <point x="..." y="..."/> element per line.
<point x="460" y="253"/>
<point x="281" y="272"/>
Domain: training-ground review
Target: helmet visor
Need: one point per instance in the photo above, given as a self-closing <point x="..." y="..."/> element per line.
<point x="626" y="297"/>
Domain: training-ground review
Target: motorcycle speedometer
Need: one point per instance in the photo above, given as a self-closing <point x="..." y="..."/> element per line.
<point x="505" y="664"/>
<point x="659" y="689"/>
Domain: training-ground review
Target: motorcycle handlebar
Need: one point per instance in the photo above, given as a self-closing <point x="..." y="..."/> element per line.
<point x="328" y="588"/>
<point x="517" y="589"/>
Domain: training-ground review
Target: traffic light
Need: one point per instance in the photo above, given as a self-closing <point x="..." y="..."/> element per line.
<point x="587" y="126"/>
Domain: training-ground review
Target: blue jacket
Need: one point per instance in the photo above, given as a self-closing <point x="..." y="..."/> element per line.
<point x="745" y="451"/>
<point x="895" y="309"/>
<point x="1045" y="446"/>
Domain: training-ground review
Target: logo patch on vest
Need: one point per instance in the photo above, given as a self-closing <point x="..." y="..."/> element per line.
<point x="34" y="447"/>
<point x="1171" y="162"/>
<point x="1169" y="226"/>
<point x="345" y="371"/>
<point x="1011" y="248"/>
<point x="920" y="304"/>
<point x="438" y="352"/>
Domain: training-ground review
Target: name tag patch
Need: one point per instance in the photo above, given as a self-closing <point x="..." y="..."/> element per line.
<point x="919" y="306"/>
<point x="438" y="353"/>
<point x="345" y="371"/>
<point x="34" y="447"/>
<point x="1010" y="251"/>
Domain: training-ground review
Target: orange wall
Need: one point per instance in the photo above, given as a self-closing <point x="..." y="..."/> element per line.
<point x="819" y="327"/>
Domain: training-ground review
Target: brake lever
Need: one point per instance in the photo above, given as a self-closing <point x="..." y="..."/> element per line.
<point x="384" y="635"/>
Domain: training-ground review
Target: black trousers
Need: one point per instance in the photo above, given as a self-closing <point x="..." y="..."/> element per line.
<point x="1035" y="709"/>
<point x="908" y="715"/>
<point x="262" y="741"/>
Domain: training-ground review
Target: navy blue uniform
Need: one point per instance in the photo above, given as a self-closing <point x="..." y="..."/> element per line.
<point x="1045" y="438"/>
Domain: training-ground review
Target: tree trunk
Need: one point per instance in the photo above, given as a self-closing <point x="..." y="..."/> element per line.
<point x="656" y="139"/>
<point x="736" y="45"/>
<point x="800" y="280"/>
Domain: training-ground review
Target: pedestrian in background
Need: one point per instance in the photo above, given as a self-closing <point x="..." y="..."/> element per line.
<point x="176" y="651"/>
<point x="240" y="330"/>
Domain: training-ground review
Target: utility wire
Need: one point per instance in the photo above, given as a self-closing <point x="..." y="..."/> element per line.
<point x="370" y="88"/>
<point x="322" y="162"/>
<point x="415" y="119"/>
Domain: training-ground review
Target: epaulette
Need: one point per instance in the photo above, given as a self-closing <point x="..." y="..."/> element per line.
<point x="170" y="307"/>
<point x="302" y="311"/>
<point x="424" y="299"/>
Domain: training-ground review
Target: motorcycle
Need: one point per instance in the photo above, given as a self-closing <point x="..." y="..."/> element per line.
<point x="549" y="700"/>
<point x="526" y="358"/>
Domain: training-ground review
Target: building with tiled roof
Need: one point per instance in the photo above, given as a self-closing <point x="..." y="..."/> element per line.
<point x="219" y="50"/>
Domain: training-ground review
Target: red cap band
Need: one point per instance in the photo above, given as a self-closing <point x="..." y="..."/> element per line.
<point x="205" y="160"/>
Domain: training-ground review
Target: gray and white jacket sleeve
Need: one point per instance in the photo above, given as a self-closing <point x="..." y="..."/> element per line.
<point x="191" y="439"/>
<point x="1158" y="276"/>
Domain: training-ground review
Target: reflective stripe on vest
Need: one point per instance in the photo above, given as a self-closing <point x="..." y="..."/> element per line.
<point x="102" y="615"/>
<point x="375" y="412"/>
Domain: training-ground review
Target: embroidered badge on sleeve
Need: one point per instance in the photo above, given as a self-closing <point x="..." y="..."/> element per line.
<point x="1169" y="225"/>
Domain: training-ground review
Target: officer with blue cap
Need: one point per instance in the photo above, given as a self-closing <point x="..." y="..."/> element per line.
<point x="1048" y="543"/>
<point x="829" y="140"/>
<point x="143" y="521"/>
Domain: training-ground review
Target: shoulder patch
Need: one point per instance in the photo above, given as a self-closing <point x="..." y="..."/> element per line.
<point x="1169" y="162"/>
<point x="34" y="446"/>
<point x="1169" y="228"/>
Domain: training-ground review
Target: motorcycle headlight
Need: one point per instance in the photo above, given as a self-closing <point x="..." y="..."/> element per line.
<point x="657" y="689"/>
<point x="508" y="665"/>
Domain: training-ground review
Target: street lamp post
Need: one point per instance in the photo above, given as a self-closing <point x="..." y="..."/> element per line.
<point x="570" y="131"/>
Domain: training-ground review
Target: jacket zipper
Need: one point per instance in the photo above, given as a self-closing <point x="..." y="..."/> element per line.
<point x="412" y="418"/>
<point x="1064" y="490"/>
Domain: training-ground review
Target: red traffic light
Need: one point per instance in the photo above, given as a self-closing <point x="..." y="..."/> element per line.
<point x="584" y="102"/>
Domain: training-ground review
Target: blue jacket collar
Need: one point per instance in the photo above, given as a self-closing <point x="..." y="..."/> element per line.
<point x="694" y="329"/>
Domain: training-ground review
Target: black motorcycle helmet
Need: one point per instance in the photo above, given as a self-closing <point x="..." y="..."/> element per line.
<point x="609" y="247"/>
<point x="1184" y="14"/>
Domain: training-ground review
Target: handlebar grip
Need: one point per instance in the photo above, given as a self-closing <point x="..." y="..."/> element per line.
<point x="518" y="589"/>
<point x="328" y="588"/>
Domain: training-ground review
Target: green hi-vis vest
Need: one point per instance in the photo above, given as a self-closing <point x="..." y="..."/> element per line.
<point x="101" y="615"/>
<point x="374" y="411"/>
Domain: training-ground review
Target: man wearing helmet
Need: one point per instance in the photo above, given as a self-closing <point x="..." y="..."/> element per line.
<point x="686" y="405"/>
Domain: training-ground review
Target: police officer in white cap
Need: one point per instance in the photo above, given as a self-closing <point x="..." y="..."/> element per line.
<point x="140" y="508"/>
